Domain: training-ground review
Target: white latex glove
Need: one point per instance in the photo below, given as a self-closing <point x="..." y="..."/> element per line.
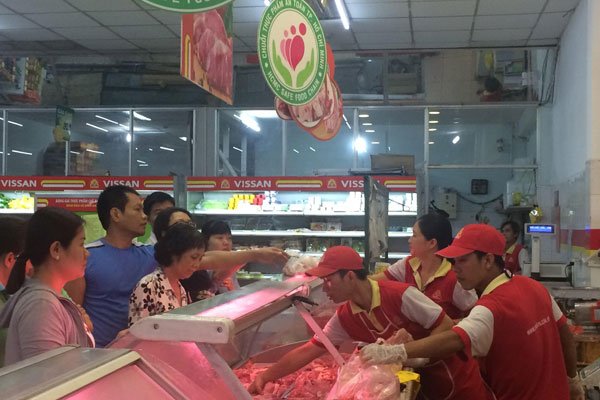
<point x="383" y="354"/>
<point x="576" y="388"/>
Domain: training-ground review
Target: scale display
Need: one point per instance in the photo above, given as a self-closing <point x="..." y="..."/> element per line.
<point x="540" y="229"/>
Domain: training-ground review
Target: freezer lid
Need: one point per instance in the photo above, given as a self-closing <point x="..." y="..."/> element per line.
<point x="219" y="319"/>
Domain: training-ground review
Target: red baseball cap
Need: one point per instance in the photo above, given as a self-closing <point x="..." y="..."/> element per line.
<point x="335" y="259"/>
<point x="475" y="237"/>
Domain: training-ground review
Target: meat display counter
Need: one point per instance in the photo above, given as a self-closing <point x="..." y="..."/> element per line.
<point x="188" y="353"/>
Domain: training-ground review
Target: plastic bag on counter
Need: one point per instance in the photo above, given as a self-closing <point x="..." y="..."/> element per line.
<point x="298" y="265"/>
<point x="357" y="381"/>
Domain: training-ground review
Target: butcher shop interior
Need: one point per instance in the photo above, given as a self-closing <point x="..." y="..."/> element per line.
<point x="307" y="199"/>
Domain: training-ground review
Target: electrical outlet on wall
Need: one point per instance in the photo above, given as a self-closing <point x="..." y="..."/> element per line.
<point x="447" y="202"/>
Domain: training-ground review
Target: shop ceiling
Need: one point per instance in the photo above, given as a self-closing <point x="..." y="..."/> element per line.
<point x="105" y="27"/>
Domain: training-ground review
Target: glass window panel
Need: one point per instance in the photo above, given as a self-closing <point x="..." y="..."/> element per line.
<point x="306" y="155"/>
<point x="99" y="143"/>
<point x="391" y="131"/>
<point x="30" y="144"/>
<point x="360" y="76"/>
<point x="162" y="142"/>
<point x="482" y="136"/>
<point x="250" y="142"/>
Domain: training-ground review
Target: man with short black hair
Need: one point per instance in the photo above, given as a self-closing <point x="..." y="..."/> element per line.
<point x="12" y="241"/>
<point x="516" y="328"/>
<point x="153" y="205"/>
<point x="372" y="310"/>
<point x="515" y="255"/>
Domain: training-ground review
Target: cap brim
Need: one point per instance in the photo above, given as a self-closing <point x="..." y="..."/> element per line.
<point x="454" y="251"/>
<point x="321" y="272"/>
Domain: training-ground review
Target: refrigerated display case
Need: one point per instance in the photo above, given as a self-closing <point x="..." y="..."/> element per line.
<point x="308" y="214"/>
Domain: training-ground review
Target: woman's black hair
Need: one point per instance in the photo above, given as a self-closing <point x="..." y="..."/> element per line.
<point x="178" y="239"/>
<point x="46" y="226"/>
<point x="161" y="223"/>
<point x="436" y="226"/>
<point x="215" y="227"/>
<point x="12" y="235"/>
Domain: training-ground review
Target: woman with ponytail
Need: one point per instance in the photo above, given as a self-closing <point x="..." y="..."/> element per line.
<point x="38" y="317"/>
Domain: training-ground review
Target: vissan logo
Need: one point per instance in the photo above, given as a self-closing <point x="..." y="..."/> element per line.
<point x="292" y="52"/>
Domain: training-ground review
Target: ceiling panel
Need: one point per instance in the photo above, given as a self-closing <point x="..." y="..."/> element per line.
<point x="104" y="5"/>
<point x="378" y="10"/>
<point x="4" y="10"/>
<point x="550" y="25"/>
<point x="561" y="5"/>
<point x="542" y="42"/>
<point x="116" y="44"/>
<point x="15" y="22"/>
<point x="506" y="21"/>
<point x="115" y="18"/>
<point x="443" y="8"/>
<point x="144" y="32"/>
<point x="167" y="17"/>
<point x="30" y="34"/>
<point x="245" y="28"/>
<point x="62" y="20"/>
<point x="248" y="14"/>
<point x="499" y="43"/>
<point x="380" y="25"/>
<point x="176" y="29"/>
<point x="442" y="24"/>
<point x="373" y="38"/>
<point x="162" y="44"/>
<point x="495" y="7"/>
<point x="37" y="6"/>
<point x="86" y="33"/>
<point x="442" y="36"/>
<point x="441" y="44"/>
<point x="500" y="34"/>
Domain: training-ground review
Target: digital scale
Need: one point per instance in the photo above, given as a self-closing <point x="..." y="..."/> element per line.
<point x="536" y="231"/>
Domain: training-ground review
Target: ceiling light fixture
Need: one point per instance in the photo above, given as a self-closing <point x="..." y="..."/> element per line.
<point x="456" y="139"/>
<point x="74" y="152"/>
<point x="249" y="121"/>
<point x="237" y="148"/>
<point x="341" y="9"/>
<point x="140" y="116"/>
<point x="311" y="148"/>
<point x="22" y="152"/>
<point x="184" y="138"/>
<point x="94" y="151"/>
<point x="106" y="119"/>
<point x="267" y="3"/>
<point x="363" y="115"/>
<point x="434" y="122"/>
<point x="166" y="148"/>
<point x="432" y="129"/>
<point x="296" y="151"/>
<point x="128" y="138"/>
<point x="370" y="130"/>
<point x="434" y="112"/>
<point x="141" y="162"/>
<point x="14" y="123"/>
<point x="346" y="121"/>
<point x="374" y="142"/>
<point x="367" y="124"/>
<point x="431" y="142"/>
<point x="360" y="145"/>
<point x="96" y="127"/>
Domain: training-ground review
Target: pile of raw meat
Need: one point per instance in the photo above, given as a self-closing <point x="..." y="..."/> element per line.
<point x="313" y="382"/>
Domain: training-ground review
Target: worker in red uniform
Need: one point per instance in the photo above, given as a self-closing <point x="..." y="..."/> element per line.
<point x="373" y="310"/>
<point x="514" y="253"/>
<point x="427" y="271"/>
<point x="527" y="351"/>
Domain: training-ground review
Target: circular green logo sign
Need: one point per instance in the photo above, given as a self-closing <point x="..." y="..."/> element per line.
<point x="187" y="6"/>
<point x="292" y="51"/>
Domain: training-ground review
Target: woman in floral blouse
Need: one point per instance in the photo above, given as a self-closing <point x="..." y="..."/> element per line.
<point x="178" y="253"/>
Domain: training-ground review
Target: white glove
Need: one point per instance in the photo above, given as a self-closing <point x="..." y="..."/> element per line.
<point x="576" y="388"/>
<point x="383" y="353"/>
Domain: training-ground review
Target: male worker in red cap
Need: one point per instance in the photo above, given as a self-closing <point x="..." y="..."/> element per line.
<point x="528" y="351"/>
<point x="373" y="310"/>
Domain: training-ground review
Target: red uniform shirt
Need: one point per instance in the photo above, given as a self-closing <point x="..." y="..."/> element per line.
<point x="520" y="346"/>
<point x="395" y="306"/>
<point x="442" y="288"/>
<point x="511" y="258"/>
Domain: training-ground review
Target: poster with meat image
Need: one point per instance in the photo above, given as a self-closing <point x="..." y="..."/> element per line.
<point x="207" y="51"/>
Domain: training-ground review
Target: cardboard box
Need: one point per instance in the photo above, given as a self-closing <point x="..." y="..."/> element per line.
<point x="393" y="163"/>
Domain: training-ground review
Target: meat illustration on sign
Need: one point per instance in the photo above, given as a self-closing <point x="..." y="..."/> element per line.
<point x="214" y="50"/>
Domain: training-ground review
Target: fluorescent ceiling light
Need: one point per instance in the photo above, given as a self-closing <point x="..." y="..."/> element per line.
<point x="237" y="148"/>
<point x="431" y="142"/>
<point x="296" y="151"/>
<point x="106" y="119"/>
<point x="346" y="121"/>
<point x="370" y="130"/>
<point x="360" y="145"/>
<point x="434" y="112"/>
<point x="141" y="162"/>
<point x="456" y="139"/>
<point x="74" y="152"/>
<point x="434" y="122"/>
<point x="311" y="148"/>
<point x="94" y="151"/>
<point x="143" y="165"/>
<point x="432" y="129"/>
<point x="14" y="123"/>
<point x="341" y="9"/>
<point x="184" y="138"/>
<point x="374" y="142"/>
<point x="249" y="121"/>
<point x="367" y="124"/>
<point x="166" y="148"/>
<point x="150" y="149"/>
<point x="124" y="126"/>
<point x="267" y="2"/>
<point x="263" y="114"/>
<point x="140" y="116"/>
<point x="96" y="127"/>
<point x="363" y="115"/>
<point x="128" y="138"/>
<point x="22" y="152"/>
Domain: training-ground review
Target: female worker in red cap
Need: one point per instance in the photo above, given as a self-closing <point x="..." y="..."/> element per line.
<point x="373" y="310"/>
<point x="527" y="351"/>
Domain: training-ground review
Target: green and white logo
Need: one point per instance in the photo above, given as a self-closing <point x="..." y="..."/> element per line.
<point x="292" y="51"/>
<point x="187" y="6"/>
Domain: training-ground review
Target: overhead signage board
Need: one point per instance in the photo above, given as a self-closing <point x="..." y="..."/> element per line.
<point x="187" y="6"/>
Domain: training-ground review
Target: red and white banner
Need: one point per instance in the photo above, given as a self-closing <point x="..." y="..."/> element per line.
<point x="298" y="183"/>
<point x="70" y="203"/>
<point x="60" y="183"/>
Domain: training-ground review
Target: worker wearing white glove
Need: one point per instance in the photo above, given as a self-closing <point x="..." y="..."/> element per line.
<point x="576" y="388"/>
